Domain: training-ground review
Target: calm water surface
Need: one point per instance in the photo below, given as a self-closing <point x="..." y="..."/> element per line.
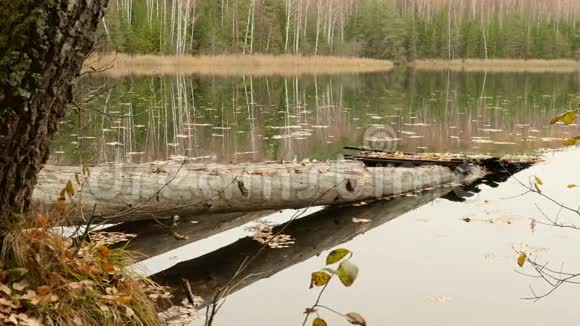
<point x="423" y="266"/>
<point x="276" y="118"/>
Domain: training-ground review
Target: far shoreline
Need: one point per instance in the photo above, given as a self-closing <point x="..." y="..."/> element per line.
<point x="118" y="65"/>
<point x="498" y="65"/>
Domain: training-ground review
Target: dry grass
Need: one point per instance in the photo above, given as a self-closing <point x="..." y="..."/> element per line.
<point x="119" y="65"/>
<point x="499" y="65"/>
<point x="48" y="279"/>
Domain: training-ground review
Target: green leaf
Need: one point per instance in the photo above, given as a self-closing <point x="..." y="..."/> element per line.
<point x="336" y="255"/>
<point x="355" y="319"/>
<point x="539" y="181"/>
<point x="572" y="186"/>
<point x="319" y="279"/>
<point x="319" y="322"/>
<point x="347" y="272"/>
<point x="330" y="270"/>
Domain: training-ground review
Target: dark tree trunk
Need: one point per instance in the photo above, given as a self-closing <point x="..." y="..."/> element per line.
<point x="42" y="47"/>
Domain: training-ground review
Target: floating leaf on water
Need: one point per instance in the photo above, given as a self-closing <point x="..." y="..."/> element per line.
<point x="566" y="117"/>
<point x="569" y="117"/>
<point x="522" y="259"/>
<point x="336" y="255"/>
<point x="569" y="142"/>
<point x="490" y="130"/>
<point x="441" y="299"/>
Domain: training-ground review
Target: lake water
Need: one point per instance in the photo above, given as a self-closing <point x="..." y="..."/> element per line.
<point x="275" y="118"/>
<point x="418" y="266"/>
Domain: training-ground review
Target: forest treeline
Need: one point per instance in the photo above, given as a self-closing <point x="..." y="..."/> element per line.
<point x="400" y="30"/>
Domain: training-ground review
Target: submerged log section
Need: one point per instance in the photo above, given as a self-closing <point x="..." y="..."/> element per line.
<point x="220" y="272"/>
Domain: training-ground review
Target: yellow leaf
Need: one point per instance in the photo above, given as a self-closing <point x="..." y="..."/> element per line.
<point x="555" y="119"/>
<point x="355" y="319"/>
<point x="347" y="272"/>
<point x="319" y="279"/>
<point x="319" y="322"/>
<point x="572" y="186"/>
<point x="522" y="259"/>
<point x="336" y="255"/>
<point x="539" y="181"/>
<point x="69" y="189"/>
<point x="537" y="188"/>
<point x="569" y="142"/>
<point x="566" y="117"/>
<point x="85" y="170"/>
<point x="569" y="117"/>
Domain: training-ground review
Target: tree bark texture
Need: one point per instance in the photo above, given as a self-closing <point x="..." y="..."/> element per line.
<point x="42" y="47"/>
<point x="161" y="190"/>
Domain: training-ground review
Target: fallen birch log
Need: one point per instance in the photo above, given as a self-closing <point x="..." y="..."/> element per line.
<point x="160" y="190"/>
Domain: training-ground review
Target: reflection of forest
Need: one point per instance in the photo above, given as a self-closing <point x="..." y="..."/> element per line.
<point x="275" y="118"/>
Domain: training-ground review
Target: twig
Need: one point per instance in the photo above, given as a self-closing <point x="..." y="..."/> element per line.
<point x="86" y="232"/>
